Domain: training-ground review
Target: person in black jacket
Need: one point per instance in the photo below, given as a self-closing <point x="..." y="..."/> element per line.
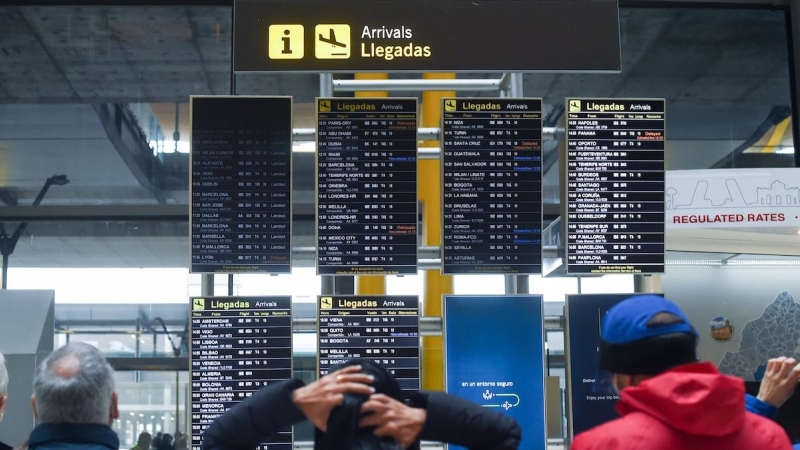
<point x="360" y="407"/>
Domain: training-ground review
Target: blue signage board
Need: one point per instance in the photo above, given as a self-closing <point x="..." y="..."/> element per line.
<point x="494" y="356"/>
<point x="592" y="397"/>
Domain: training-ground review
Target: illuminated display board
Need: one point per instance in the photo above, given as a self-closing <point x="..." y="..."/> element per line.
<point x="421" y="35"/>
<point x="238" y="346"/>
<point x="241" y="182"/>
<point x="615" y="186"/>
<point x="492" y="186"/>
<point x="384" y="328"/>
<point x="366" y="186"/>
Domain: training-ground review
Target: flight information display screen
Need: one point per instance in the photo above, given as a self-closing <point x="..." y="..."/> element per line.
<point x="492" y="186"/>
<point x="238" y="346"/>
<point x="383" y="328"/>
<point x="615" y="186"/>
<point x="241" y="181"/>
<point x="366" y="186"/>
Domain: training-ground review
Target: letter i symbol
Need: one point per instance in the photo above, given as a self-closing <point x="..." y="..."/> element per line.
<point x="286" y="41"/>
<point x="287" y="50"/>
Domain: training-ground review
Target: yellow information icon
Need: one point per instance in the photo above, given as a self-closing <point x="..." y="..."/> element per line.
<point x="450" y="105"/>
<point x="286" y="42"/>
<point x="324" y="106"/>
<point x="326" y="302"/>
<point x="332" y="41"/>
<point x="574" y="106"/>
<point x="198" y="304"/>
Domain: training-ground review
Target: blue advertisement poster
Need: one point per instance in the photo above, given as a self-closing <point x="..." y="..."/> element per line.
<point x="591" y="394"/>
<point x="494" y="356"/>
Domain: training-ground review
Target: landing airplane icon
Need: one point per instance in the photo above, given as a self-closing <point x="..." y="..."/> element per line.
<point x="331" y="39"/>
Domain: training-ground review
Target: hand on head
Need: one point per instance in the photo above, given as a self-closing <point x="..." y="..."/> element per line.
<point x="393" y="419"/>
<point x="780" y="380"/>
<point x="317" y="399"/>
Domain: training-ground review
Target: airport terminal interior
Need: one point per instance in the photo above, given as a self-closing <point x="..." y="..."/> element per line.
<point x="95" y="143"/>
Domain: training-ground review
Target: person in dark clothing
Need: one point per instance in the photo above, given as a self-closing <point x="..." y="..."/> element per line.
<point x="166" y="443"/>
<point x="348" y="415"/>
<point x="157" y="440"/>
<point x="74" y="401"/>
<point x="3" y="395"/>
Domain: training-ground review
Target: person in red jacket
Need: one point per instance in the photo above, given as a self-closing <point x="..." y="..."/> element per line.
<point x="669" y="400"/>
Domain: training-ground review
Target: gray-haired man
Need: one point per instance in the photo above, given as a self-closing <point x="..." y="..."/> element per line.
<point x="3" y="395"/>
<point x="74" y="401"/>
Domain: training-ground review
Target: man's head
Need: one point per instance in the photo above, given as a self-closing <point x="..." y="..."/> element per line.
<point x="75" y="384"/>
<point x="644" y="336"/>
<point x="343" y="429"/>
<point x="144" y="440"/>
<point x="3" y="386"/>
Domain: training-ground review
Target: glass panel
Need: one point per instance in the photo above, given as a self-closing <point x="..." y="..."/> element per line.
<point x="152" y="402"/>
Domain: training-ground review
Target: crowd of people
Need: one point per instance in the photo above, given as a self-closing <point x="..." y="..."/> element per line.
<point x="668" y="400"/>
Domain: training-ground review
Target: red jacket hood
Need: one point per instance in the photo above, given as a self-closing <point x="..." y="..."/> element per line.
<point x="694" y="398"/>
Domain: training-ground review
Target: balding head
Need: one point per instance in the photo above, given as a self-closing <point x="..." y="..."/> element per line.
<point x="75" y="384"/>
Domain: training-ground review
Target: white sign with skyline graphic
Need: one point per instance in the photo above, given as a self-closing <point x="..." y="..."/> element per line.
<point x="732" y="198"/>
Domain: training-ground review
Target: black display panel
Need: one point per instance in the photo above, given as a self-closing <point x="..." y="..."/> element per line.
<point x="238" y="346"/>
<point x="366" y="186"/>
<point x="492" y="186"/>
<point x="383" y="328"/>
<point x="591" y="394"/>
<point x="241" y="181"/>
<point x="423" y="35"/>
<point x="615" y="186"/>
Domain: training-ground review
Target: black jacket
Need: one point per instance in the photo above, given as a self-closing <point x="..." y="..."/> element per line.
<point x="449" y="419"/>
<point x="4" y="446"/>
<point x="48" y="436"/>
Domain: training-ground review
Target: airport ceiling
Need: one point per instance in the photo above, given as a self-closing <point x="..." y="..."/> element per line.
<point x="74" y="82"/>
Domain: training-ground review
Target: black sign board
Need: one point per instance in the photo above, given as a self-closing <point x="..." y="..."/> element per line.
<point x="239" y="345"/>
<point x="366" y="186"/>
<point x="492" y="185"/>
<point x="422" y="35"/>
<point x="383" y="328"/>
<point x="615" y="186"/>
<point x="241" y="167"/>
<point x="590" y="392"/>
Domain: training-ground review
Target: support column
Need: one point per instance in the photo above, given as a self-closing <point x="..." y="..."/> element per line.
<point x="207" y="285"/>
<point x="371" y="284"/>
<point x="430" y="193"/>
<point x="645" y="284"/>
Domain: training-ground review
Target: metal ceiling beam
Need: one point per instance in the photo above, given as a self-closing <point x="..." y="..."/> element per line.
<point x="128" y="140"/>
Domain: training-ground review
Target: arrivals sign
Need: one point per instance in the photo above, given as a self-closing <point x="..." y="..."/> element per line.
<point x="241" y="184"/>
<point x="416" y="35"/>
<point x="615" y="186"/>
<point x="239" y="345"/>
<point x="492" y="185"/>
<point x="381" y="328"/>
<point x="366" y="186"/>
